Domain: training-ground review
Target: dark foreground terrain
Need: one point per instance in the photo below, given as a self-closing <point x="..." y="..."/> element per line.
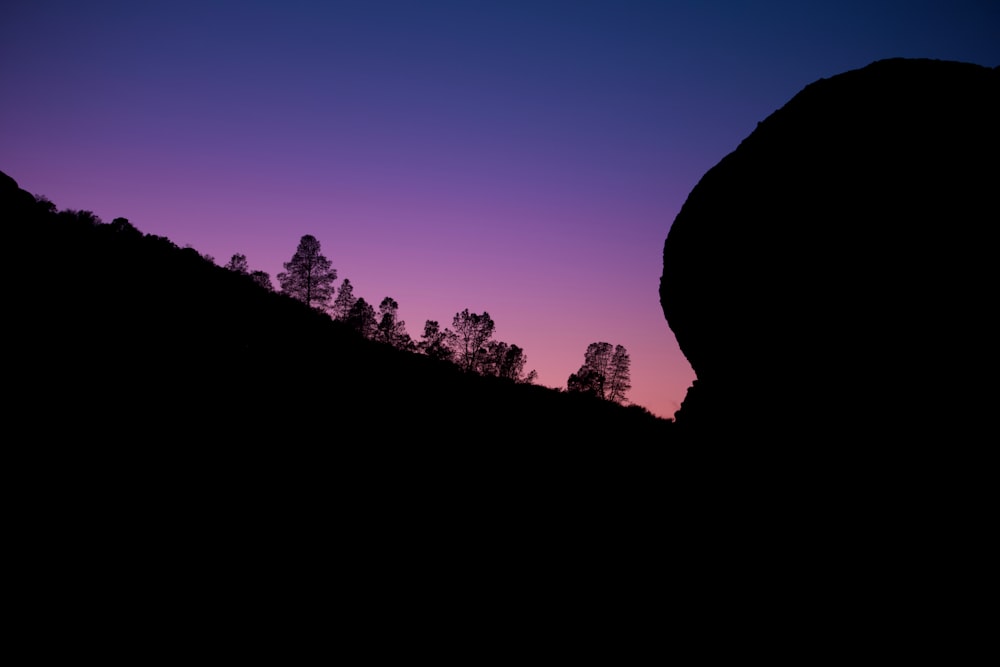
<point x="126" y="337"/>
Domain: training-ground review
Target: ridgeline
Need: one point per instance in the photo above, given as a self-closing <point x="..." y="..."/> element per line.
<point x="127" y="335"/>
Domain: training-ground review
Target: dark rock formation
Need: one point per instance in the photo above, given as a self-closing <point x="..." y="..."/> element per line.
<point x="836" y="273"/>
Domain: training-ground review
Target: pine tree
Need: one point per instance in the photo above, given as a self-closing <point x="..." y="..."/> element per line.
<point x="309" y="275"/>
<point x="390" y="329"/>
<point x="344" y="302"/>
<point x="362" y="318"/>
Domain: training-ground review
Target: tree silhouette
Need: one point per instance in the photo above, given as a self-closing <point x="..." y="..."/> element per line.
<point x="262" y="278"/>
<point x="619" y="375"/>
<point x="45" y="205"/>
<point x="586" y="381"/>
<point x="606" y="372"/>
<point x="513" y="363"/>
<point x="80" y="218"/>
<point x="123" y="227"/>
<point x="309" y="275"/>
<point x="597" y="359"/>
<point x="491" y="358"/>
<point x="472" y="331"/>
<point x="390" y="329"/>
<point x="344" y="301"/>
<point x="238" y="264"/>
<point x="436" y="343"/>
<point x="506" y="361"/>
<point x="362" y="318"/>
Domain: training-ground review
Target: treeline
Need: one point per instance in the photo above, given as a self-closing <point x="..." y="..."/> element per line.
<point x="469" y="344"/>
<point x="309" y="277"/>
<point x="130" y="336"/>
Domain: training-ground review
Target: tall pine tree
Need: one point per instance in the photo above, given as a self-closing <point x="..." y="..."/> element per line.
<point x="309" y="276"/>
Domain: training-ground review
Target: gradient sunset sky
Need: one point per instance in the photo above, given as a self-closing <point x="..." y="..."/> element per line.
<point x="523" y="158"/>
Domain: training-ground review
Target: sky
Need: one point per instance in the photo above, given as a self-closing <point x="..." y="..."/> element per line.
<point x="521" y="158"/>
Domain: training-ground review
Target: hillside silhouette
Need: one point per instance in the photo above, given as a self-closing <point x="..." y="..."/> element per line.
<point x="127" y="335"/>
<point x="835" y="274"/>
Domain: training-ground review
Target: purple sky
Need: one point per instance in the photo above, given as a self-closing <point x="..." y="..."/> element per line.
<point x="520" y="158"/>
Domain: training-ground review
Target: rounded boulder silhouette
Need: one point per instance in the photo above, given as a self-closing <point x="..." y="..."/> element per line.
<point x="837" y="271"/>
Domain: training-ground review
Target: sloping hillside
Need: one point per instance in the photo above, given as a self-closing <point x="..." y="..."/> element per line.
<point x="127" y="335"/>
